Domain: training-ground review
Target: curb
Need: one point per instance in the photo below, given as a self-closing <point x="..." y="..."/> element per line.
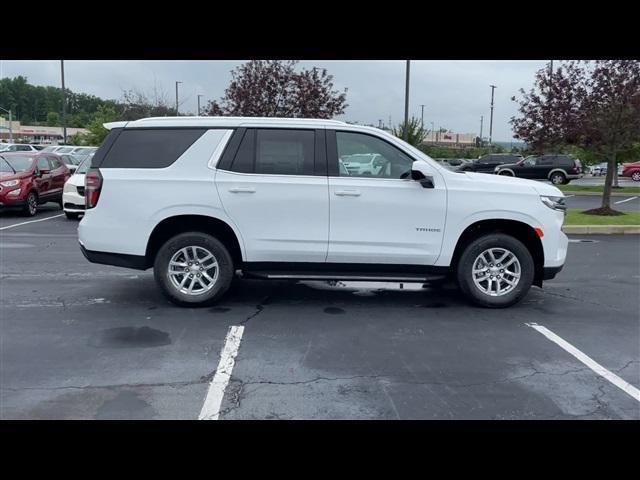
<point x="602" y="229"/>
<point x="599" y="194"/>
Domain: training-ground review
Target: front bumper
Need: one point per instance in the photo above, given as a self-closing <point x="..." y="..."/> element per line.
<point x="73" y="202"/>
<point x="12" y="204"/>
<point x="550" y="272"/>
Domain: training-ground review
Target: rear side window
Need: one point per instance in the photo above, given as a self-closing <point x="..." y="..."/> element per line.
<point x="147" y="148"/>
<point x="564" y="161"/>
<point x="545" y="161"/>
<point x="276" y="152"/>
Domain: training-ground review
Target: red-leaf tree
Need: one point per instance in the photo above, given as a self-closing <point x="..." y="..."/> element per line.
<point x="594" y="105"/>
<point x="272" y="88"/>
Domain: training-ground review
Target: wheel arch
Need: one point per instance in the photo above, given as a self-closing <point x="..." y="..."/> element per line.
<point x="176" y="224"/>
<point x="513" y="174"/>
<point x="517" y="229"/>
<point x="556" y="170"/>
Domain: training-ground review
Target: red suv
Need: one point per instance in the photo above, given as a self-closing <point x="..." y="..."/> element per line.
<point x="30" y="179"/>
<point x="632" y="170"/>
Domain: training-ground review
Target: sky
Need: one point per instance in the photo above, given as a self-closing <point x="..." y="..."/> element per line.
<point x="455" y="92"/>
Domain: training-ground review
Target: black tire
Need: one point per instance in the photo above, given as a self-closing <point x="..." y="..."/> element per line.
<point x="198" y="239"/>
<point x="558" y="178"/>
<point x="72" y="216"/>
<point x="30" y="205"/>
<point x="464" y="271"/>
<point x="506" y="173"/>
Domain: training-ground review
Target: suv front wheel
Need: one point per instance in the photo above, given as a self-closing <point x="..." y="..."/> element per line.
<point x="495" y="270"/>
<point x="193" y="269"/>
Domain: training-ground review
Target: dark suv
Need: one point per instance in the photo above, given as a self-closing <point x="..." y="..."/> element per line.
<point x="488" y="163"/>
<point x="559" y="169"/>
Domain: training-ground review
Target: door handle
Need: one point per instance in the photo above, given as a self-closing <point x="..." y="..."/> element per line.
<point x="242" y="190"/>
<point x="347" y="193"/>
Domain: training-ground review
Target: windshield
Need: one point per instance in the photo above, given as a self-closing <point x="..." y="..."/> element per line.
<point x="64" y="150"/>
<point x="5" y="166"/>
<point x="20" y="164"/>
<point x="50" y="148"/>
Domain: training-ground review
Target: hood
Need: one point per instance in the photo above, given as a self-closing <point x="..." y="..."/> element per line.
<point x="13" y="176"/>
<point x="77" y="180"/>
<point x="505" y="183"/>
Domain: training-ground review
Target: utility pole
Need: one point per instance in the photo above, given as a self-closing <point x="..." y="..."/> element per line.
<point x="199" y="104"/>
<point x="64" y="105"/>
<point x="422" y="116"/>
<point x="493" y="87"/>
<point x="406" y="104"/>
<point x="177" y="98"/>
<point x="481" y="120"/>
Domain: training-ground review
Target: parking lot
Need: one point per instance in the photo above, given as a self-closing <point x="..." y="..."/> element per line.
<point x="86" y="341"/>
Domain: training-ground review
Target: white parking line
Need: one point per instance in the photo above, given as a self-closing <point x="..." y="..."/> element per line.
<point x="588" y="361"/>
<point x="31" y="221"/>
<point x="213" y="401"/>
<point x="625" y="200"/>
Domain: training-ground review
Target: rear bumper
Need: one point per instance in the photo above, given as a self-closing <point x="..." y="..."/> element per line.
<point x="137" y="262"/>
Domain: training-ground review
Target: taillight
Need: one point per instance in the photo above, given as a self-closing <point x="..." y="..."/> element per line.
<point x="92" y="187"/>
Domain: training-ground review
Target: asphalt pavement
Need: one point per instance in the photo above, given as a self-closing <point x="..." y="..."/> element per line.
<point x="86" y="341"/>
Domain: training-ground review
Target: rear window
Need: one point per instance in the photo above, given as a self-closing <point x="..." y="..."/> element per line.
<point x="145" y="148"/>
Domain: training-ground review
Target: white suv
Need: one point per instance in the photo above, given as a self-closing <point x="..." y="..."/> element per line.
<point x="202" y="198"/>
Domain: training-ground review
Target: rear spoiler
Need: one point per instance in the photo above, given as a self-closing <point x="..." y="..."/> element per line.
<point x="111" y="125"/>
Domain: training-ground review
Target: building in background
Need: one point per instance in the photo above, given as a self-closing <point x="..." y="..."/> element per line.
<point x="450" y="139"/>
<point x="35" y="134"/>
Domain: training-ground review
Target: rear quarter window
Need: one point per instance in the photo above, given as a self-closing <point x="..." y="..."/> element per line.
<point x="145" y="148"/>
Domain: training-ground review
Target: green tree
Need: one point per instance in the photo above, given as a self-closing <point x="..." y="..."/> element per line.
<point x="53" y="119"/>
<point x="415" y="133"/>
<point x="97" y="132"/>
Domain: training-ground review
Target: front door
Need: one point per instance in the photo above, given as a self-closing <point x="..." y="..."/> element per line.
<point x="383" y="216"/>
<point x="272" y="191"/>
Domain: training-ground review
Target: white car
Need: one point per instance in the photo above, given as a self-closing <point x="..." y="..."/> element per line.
<point x="73" y="202"/>
<point x="362" y="163"/>
<point x="199" y="198"/>
<point x="19" y="147"/>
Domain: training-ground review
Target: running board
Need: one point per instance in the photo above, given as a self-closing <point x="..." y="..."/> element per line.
<point x="343" y="276"/>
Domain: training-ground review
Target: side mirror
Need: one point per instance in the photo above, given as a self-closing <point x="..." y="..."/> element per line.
<point x="425" y="180"/>
<point x="43" y="171"/>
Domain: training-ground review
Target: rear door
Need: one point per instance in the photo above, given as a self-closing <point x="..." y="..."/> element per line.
<point x="274" y="187"/>
<point x="544" y="165"/>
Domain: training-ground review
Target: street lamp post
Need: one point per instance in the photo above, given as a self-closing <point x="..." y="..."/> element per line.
<point x="433" y="132"/>
<point x="64" y="104"/>
<point x="406" y="104"/>
<point x="422" y="116"/>
<point x="177" y="97"/>
<point x="199" y="103"/>
<point x="481" y="121"/>
<point x="493" y="87"/>
<point x="10" y="123"/>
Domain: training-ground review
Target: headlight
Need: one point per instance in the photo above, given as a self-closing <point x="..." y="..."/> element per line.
<point x="10" y="183"/>
<point x="555" y="203"/>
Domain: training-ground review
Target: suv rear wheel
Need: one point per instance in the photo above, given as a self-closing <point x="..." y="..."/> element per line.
<point x="558" y="178"/>
<point x="495" y="270"/>
<point x="30" y="205"/>
<point x="193" y="269"/>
